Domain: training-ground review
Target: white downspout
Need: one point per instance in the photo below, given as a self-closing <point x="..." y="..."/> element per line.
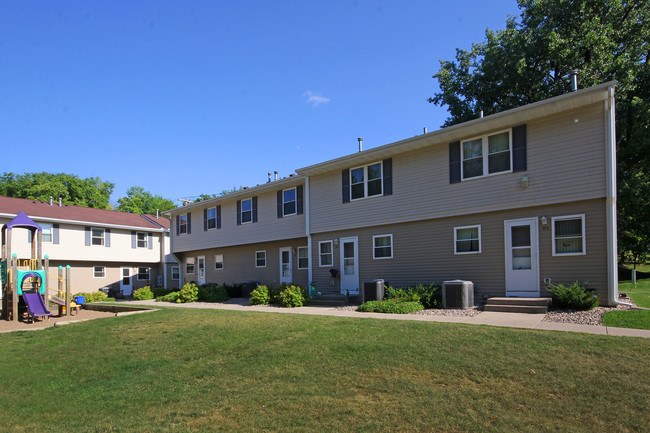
<point x="610" y="204"/>
<point x="308" y="233"/>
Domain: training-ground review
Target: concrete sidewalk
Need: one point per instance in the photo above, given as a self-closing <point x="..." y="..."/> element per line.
<point x="491" y="318"/>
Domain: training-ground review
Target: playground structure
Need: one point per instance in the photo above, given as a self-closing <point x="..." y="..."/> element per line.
<point x="28" y="278"/>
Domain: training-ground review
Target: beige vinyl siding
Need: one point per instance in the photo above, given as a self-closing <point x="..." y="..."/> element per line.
<point x="239" y="263"/>
<point x="565" y="162"/>
<point x="267" y="228"/>
<point x="423" y="251"/>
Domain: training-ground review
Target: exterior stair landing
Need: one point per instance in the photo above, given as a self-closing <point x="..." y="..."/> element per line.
<point x="518" y="305"/>
<point x="329" y="300"/>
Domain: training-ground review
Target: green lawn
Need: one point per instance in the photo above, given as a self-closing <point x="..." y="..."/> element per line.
<point x="184" y="370"/>
<point x="639" y="292"/>
<point x="637" y="319"/>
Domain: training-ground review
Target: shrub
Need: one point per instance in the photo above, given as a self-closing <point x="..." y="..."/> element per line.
<point x="393" y="306"/>
<point x="109" y="299"/>
<point x="260" y="296"/>
<point x="169" y="297"/>
<point x="233" y="290"/>
<point x="274" y="295"/>
<point x="429" y="296"/>
<point x="189" y="293"/>
<point x="292" y="296"/>
<point x="98" y="296"/>
<point x="574" y="296"/>
<point x="213" y="293"/>
<point x="143" y="294"/>
<point x="160" y="291"/>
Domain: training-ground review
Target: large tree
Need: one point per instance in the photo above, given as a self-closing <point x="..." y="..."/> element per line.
<point x="90" y="192"/>
<point x="139" y="201"/>
<point x="531" y="59"/>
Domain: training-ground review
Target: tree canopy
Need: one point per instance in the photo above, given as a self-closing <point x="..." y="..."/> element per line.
<point x="90" y="192"/>
<point x="531" y="60"/>
<point x="139" y="201"/>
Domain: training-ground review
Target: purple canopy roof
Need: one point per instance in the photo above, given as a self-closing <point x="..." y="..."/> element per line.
<point x="22" y="220"/>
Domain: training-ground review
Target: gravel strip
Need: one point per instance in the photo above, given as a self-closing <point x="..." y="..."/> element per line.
<point x="591" y="317"/>
<point x="432" y="312"/>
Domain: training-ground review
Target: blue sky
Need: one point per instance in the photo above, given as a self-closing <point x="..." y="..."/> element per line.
<point x="192" y="97"/>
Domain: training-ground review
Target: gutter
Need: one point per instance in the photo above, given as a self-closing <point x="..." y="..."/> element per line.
<point x="610" y="204"/>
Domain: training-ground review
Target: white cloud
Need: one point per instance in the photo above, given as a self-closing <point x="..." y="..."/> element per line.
<point x="315" y="100"/>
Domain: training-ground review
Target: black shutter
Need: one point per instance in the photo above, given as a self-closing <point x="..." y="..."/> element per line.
<point x="219" y="216"/>
<point x="189" y="223"/>
<point x="87" y="236"/>
<point x="134" y="240"/>
<point x="205" y="219"/>
<point x="254" y="209"/>
<point x="30" y="235"/>
<point x="107" y="238"/>
<point x="519" y="148"/>
<point x="388" y="176"/>
<point x="150" y="241"/>
<point x="299" y="200"/>
<point x="238" y="212"/>
<point x="345" y="174"/>
<point x="178" y="225"/>
<point x="454" y="162"/>
<point x="55" y="233"/>
<point x="280" y="212"/>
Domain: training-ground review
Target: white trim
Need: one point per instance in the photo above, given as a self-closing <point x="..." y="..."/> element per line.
<point x="216" y="261"/>
<point x="260" y="251"/>
<point x="103" y="271"/>
<point x="172" y="273"/>
<point x="534" y="234"/>
<point x="485" y="149"/>
<point x="51" y="233"/>
<point x="365" y="180"/>
<point x="310" y="272"/>
<point x="298" y="256"/>
<point x="584" y="234"/>
<point x="290" y="263"/>
<point x="610" y="203"/>
<point x="146" y="240"/>
<point x="374" y="246"/>
<point x="180" y="232"/>
<point x="148" y="273"/>
<point x="355" y="280"/>
<point x="130" y="286"/>
<point x="331" y="253"/>
<point x="207" y="213"/>
<point x="295" y="201"/>
<point x="190" y="261"/>
<point x="201" y="279"/>
<point x="92" y="236"/>
<point x="241" y="211"/>
<point x="480" y="242"/>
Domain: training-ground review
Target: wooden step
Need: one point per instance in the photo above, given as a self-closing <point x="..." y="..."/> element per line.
<point x="505" y="308"/>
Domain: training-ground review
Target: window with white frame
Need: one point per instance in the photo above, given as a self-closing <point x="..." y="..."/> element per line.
<point x="46" y="234"/>
<point x="467" y="239"/>
<point x="568" y="235"/>
<point x="325" y="253"/>
<point x="182" y="224"/>
<point x="218" y="261"/>
<point x="142" y="240"/>
<point x="97" y="236"/>
<point x="212" y="218"/>
<point x="366" y="181"/>
<point x="382" y="247"/>
<point x="260" y="259"/>
<point x="289" y="202"/>
<point x="486" y="155"/>
<point x="189" y="265"/>
<point x="176" y="273"/>
<point x="143" y="273"/>
<point x="246" y="210"/>
<point x="303" y="257"/>
<point x="99" y="272"/>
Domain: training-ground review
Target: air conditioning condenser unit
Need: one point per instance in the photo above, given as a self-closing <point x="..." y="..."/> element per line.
<point x="458" y="294"/>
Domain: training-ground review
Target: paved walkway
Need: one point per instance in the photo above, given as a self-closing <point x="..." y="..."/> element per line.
<point x="492" y="318"/>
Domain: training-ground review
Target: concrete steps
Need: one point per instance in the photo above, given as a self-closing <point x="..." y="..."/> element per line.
<point x="329" y="300"/>
<point x="518" y="305"/>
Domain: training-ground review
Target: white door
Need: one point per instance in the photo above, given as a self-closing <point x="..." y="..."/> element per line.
<point x="200" y="270"/>
<point x="125" y="281"/>
<point x="349" y="265"/>
<point x="286" y="268"/>
<point x="522" y="257"/>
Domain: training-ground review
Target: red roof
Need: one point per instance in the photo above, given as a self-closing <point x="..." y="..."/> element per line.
<point x="39" y="209"/>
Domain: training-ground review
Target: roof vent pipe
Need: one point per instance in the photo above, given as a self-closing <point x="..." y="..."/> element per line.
<point x="574" y="80"/>
<point x="360" y="143"/>
<point x="481" y="114"/>
<point x="425" y="129"/>
<point x="269" y="177"/>
<point x="276" y="174"/>
<point x="157" y="214"/>
<point x="51" y="198"/>
<point x="60" y="202"/>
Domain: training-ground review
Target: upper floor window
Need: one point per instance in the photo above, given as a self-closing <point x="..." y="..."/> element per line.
<point x="142" y="240"/>
<point x="46" y="234"/>
<point x="97" y="236"/>
<point x="568" y="235"/>
<point x="246" y="210"/>
<point x="366" y="181"/>
<point x="182" y="224"/>
<point x="289" y="201"/>
<point x="486" y="155"/>
<point x="211" y="221"/>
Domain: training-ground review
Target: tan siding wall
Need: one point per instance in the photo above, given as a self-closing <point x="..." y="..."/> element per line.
<point x="566" y="161"/>
<point x="424" y="251"/>
<point x="267" y="228"/>
<point x="239" y="263"/>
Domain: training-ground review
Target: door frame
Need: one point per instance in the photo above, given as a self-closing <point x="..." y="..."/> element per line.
<point x="282" y="280"/>
<point x="355" y="240"/>
<point x="122" y="285"/>
<point x="200" y="259"/>
<point x="534" y="236"/>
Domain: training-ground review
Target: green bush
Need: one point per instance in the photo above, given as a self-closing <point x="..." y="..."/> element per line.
<point x="274" y="295"/>
<point x="169" y="297"/>
<point x="429" y="296"/>
<point x="143" y="294"/>
<point x="189" y="293"/>
<point x="574" y="296"/>
<point x="98" y="296"/>
<point x="260" y="296"/>
<point x="233" y="290"/>
<point x="213" y="293"/>
<point x="109" y="299"/>
<point x="160" y="291"/>
<point x="393" y="306"/>
<point x="292" y="296"/>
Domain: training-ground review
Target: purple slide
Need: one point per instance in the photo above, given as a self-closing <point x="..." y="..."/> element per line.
<point x="35" y="306"/>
